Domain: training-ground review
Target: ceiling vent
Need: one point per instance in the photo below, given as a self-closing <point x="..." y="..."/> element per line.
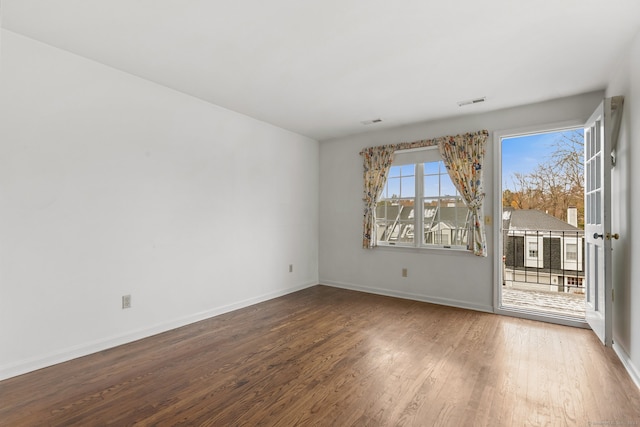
<point x="472" y="101"/>
<point x="370" y="122"/>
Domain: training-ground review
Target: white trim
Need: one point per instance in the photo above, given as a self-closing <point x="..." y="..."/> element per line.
<point x="634" y="373"/>
<point x="537" y="316"/>
<point x="416" y="155"/>
<point x="15" y="369"/>
<point x="439" y="249"/>
<point x="538" y="129"/>
<point x="498" y="135"/>
<point x="409" y="296"/>
<point x="415" y="150"/>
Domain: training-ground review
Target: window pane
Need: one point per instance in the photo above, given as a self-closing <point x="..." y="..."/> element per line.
<point x="444" y="237"/>
<point x="408" y="170"/>
<point x="408" y="187"/>
<point x="394" y="171"/>
<point x="432" y="168"/>
<point x="402" y="227"/>
<point x="392" y="188"/>
<point x="387" y="217"/>
<point x="406" y="232"/>
<point x="446" y="186"/>
<point x="533" y="249"/>
<point x="395" y="221"/>
<point x="431" y="186"/>
<point x="430" y="210"/>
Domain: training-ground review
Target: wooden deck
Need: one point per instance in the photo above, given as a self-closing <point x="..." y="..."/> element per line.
<point x="331" y="357"/>
<point x="554" y="303"/>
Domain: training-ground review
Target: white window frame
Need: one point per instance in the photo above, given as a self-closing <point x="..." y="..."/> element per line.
<point x="577" y="282"/>
<point x="532" y="248"/>
<point x="538" y="260"/>
<point x="573" y="264"/>
<point x="418" y="157"/>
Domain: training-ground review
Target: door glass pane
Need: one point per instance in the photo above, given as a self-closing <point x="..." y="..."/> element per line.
<point x="598" y="207"/>
<point x="597" y="172"/>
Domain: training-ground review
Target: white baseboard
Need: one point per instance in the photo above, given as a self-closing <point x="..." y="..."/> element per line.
<point x="23" y="367"/>
<point x="634" y="373"/>
<point x="410" y="296"/>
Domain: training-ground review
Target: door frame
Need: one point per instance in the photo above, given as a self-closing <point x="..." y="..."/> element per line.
<point x="498" y="135"/>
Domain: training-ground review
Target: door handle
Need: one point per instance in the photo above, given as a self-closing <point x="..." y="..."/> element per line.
<point x="597" y="236"/>
<point x="613" y="236"/>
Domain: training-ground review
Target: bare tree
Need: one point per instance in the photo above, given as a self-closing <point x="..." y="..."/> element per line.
<point x="556" y="183"/>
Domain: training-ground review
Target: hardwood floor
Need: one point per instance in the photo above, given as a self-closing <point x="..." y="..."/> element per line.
<point x="325" y="356"/>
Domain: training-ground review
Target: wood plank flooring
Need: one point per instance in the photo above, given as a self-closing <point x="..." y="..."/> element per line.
<point x="331" y="357"/>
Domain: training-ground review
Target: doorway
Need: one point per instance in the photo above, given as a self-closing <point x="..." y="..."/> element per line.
<point x="541" y="230"/>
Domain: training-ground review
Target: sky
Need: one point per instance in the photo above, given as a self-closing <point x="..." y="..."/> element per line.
<point x="401" y="181"/>
<point x="523" y="153"/>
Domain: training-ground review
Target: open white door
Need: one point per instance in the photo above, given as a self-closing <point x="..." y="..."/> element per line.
<point x="598" y="135"/>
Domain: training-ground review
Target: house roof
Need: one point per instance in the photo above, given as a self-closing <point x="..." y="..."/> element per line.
<point x="533" y="219"/>
<point x="453" y="216"/>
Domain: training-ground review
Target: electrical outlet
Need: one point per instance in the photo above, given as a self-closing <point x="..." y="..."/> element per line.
<point x="404" y="272"/>
<point x="290" y="268"/>
<point x="126" y="301"/>
<point x="487" y="220"/>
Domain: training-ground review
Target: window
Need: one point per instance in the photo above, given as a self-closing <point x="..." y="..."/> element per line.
<point x="395" y="209"/>
<point x="533" y="249"/>
<point x="571" y="252"/>
<point x="418" y="178"/>
<point x="574" y="281"/>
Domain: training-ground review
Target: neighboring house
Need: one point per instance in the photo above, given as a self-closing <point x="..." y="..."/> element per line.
<point x="542" y="252"/>
<point x="443" y="225"/>
<point x="446" y="225"/>
<point x="392" y="222"/>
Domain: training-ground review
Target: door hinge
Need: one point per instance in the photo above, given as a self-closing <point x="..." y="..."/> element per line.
<point x="612" y="294"/>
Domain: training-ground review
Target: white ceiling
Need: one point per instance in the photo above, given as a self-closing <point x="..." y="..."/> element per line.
<point x="320" y="67"/>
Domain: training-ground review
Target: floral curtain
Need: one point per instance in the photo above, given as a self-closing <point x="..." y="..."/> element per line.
<point x="377" y="162"/>
<point x="463" y="155"/>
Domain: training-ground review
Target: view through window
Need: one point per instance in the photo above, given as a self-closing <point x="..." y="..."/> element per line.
<point x="442" y="216"/>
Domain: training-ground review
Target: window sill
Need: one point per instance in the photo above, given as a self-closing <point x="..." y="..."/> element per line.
<point x="456" y="250"/>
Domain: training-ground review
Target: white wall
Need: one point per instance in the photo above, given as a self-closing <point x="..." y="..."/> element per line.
<point x="112" y="185"/>
<point x="452" y="278"/>
<point x="625" y="207"/>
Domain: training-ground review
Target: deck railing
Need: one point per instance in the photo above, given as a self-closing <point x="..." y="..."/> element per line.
<point x="550" y="260"/>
